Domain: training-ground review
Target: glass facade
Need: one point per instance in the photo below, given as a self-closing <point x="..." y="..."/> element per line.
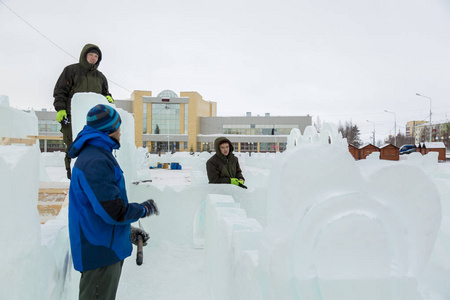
<point x="267" y="147"/>
<point x="48" y="126"/>
<point x="258" y="129"/>
<point x="52" y="145"/>
<point x="249" y="146"/>
<point x="208" y="146"/>
<point x="166" y="118"/>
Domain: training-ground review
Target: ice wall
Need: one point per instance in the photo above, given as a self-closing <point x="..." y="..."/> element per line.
<point x="15" y="123"/>
<point x="126" y="155"/>
<point x="328" y="135"/>
<point x="333" y="233"/>
<point x="29" y="271"/>
<point x="231" y="243"/>
<point x="372" y="237"/>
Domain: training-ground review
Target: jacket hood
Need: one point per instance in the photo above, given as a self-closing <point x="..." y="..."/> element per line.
<point x="219" y="141"/>
<point x="83" y="54"/>
<point x="91" y="136"/>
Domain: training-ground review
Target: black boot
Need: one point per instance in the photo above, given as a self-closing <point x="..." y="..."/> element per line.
<point x="67" y="160"/>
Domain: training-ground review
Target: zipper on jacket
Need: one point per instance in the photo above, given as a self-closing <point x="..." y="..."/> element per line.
<point x="112" y="236"/>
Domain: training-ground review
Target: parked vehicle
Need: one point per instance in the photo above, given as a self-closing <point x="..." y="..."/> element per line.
<point x="407" y="149"/>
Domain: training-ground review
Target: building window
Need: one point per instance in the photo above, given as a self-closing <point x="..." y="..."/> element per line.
<point x="249" y="146"/>
<point x="48" y="126"/>
<point x="267" y="147"/>
<point x="144" y="118"/>
<point x="258" y="129"/>
<point x="166" y="117"/>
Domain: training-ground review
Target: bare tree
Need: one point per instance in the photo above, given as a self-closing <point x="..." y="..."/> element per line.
<point x="318" y="124"/>
<point x="402" y="139"/>
<point x="350" y="131"/>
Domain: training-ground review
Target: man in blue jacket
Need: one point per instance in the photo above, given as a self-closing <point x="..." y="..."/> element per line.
<point x="99" y="212"/>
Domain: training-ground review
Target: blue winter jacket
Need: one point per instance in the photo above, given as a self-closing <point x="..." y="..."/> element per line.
<point x="99" y="212"/>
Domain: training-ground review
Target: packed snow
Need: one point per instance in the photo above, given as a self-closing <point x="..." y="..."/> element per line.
<point x="313" y="224"/>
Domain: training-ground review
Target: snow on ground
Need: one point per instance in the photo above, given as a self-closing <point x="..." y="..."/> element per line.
<point x="170" y="271"/>
<point x="163" y="177"/>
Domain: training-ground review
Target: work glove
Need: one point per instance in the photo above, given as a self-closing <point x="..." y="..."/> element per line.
<point x="110" y="99"/>
<point x="235" y="181"/>
<point x="135" y="232"/>
<point x="238" y="182"/>
<point x="61" y="115"/>
<point x="150" y="208"/>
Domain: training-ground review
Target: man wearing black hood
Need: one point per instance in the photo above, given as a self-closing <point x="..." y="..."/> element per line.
<point x="223" y="167"/>
<point x="82" y="77"/>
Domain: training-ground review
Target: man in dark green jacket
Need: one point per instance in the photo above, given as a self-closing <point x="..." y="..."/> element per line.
<point x="223" y="167"/>
<point x="82" y="77"/>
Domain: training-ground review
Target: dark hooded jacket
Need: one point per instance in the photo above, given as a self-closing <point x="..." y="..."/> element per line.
<point x="81" y="77"/>
<point x="221" y="168"/>
<point x="99" y="212"/>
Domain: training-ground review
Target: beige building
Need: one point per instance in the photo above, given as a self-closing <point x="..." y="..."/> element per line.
<point x="186" y="122"/>
<point x="411" y="127"/>
<point x="167" y="122"/>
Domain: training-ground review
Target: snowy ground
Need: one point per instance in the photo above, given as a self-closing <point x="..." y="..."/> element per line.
<point x="170" y="271"/>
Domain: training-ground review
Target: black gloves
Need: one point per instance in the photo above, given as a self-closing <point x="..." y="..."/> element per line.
<point x="150" y="208"/>
<point x="135" y="232"/>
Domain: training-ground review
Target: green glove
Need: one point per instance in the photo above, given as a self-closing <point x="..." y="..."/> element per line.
<point x="110" y="99"/>
<point x="61" y="115"/>
<point x="235" y="181"/>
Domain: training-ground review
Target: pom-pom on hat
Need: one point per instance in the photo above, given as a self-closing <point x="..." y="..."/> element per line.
<point x="103" y="118"/>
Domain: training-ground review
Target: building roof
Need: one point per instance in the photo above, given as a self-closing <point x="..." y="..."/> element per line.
<point x="385" y="145"/>
<point x="434" y="145"/>
<point x="167" y="94"/>
<point x="367" y="145"/>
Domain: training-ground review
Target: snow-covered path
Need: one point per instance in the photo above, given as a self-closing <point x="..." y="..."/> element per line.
<point x="169" y="271"/>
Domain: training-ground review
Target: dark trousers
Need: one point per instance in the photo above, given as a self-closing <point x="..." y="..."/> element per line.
<point x="100" y="283"/>
<point x="66" y="129"/>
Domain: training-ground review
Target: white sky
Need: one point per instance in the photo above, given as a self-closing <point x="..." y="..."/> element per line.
<point x="339" y="60"/>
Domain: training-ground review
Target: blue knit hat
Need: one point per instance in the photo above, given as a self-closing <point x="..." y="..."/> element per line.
<point x="103" y="118"/>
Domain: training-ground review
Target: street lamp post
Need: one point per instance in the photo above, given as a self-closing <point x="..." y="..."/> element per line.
<point x="395" y="126"/>
<point x="373" y="131"/>
<point x="417" y="94"/>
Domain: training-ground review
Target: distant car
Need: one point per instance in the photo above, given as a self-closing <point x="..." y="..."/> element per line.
<point x="407" y="149"/>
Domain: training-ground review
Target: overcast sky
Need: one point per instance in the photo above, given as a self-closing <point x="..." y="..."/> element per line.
<point x="346" y="60"/>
